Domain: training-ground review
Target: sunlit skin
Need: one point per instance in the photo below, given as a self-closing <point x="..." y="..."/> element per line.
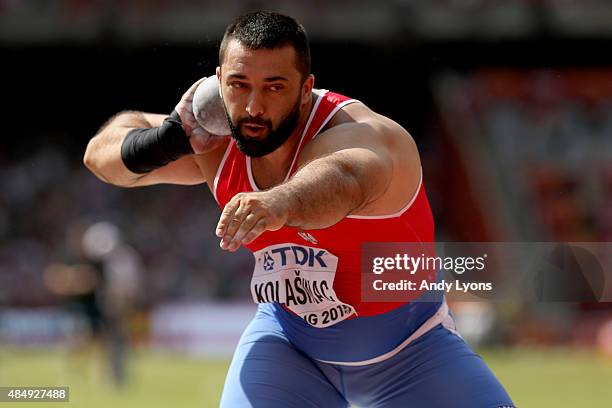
<point x="362" y="163"/>
<point x="261" y="87"/>
<point x="354" y="163"/>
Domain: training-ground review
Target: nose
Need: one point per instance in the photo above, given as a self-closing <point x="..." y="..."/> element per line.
<point x="255" y="106"/>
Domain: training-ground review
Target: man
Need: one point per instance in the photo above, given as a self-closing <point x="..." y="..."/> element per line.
<point x="307" y="176"/>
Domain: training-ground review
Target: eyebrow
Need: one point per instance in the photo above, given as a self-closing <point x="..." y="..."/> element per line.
<point x="275" y="78"/>
<point x="236" y="76"/>
<point x="268" y="79"/>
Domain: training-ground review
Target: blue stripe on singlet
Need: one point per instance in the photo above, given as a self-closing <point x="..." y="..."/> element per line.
<point x="358" y="339"/>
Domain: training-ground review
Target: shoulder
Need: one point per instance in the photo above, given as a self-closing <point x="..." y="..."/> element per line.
<point x="356" y="125"/>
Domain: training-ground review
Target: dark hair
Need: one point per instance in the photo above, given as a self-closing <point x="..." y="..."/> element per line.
<point x="269" y="30"/>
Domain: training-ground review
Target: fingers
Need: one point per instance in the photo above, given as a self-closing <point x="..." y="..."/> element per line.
<point x="245" y="228"/>
<point x="234" y="224"/>
<point x="226" y="216"/>
<point x="247" y="215"/>
<point x="250" y="229"/>
<point x="184" y="108"/>
<point x="258" y="229"/>
<point x="190" y="117"/>
<point x="243" y="220"/>
<point x="188" y="120"/>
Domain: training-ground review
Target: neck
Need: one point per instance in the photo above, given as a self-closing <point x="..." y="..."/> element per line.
<point x="271" y="169"/>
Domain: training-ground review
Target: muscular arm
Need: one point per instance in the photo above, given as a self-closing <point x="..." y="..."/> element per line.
<point x="341" y="181"/>
<point x="355" y="168"/>
<point x="103" y="155"/>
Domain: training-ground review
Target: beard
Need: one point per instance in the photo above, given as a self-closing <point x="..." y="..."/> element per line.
<point x="276" y="137"/>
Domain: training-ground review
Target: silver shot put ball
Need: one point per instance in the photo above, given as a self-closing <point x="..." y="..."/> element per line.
<point x="208" y="107"/>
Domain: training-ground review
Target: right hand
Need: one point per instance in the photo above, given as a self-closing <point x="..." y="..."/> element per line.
<point x="201" y="141"/>
<point x="248" y="215"/>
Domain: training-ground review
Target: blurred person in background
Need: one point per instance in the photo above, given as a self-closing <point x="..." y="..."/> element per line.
<point x="307" y="176"/>
<point x="99" y="279"/>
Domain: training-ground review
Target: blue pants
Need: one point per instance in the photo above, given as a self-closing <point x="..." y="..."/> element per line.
<point x="436" y="370"/>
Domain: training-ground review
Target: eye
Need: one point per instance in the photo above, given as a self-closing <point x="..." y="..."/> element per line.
<point x="276" y="87"/>
<point x="237" y="85"/>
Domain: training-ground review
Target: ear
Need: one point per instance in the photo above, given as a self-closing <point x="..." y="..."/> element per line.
<point x="307" y="88"/>
<point x="218" y="72"/>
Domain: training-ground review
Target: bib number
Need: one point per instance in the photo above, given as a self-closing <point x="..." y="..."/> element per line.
<point x="301" y="278"/>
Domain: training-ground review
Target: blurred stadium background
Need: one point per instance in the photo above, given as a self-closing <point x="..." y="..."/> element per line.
<point x="124" y="296"/>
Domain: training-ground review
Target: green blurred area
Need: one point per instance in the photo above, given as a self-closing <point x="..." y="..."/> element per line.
<point x="534" y="378"/>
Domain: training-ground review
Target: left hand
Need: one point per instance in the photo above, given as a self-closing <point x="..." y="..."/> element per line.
<point x="248" y="215"/>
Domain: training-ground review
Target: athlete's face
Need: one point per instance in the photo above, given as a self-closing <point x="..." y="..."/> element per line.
<point x="264" y="95"/>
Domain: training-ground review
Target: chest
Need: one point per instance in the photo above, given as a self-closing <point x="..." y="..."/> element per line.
<point x="268" y="175"/>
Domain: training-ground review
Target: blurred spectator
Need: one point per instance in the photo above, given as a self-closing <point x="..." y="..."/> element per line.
<point x="100" y="279"/>
<point x="171" y="227"/>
